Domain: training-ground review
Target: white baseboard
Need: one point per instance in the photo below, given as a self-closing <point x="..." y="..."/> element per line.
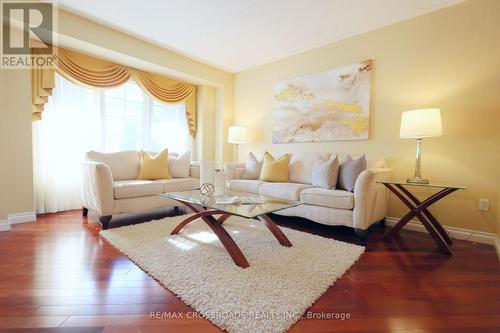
<point x="454" y="232"/>
<point x="4" y="225"/>
<point x="21" y="217"/>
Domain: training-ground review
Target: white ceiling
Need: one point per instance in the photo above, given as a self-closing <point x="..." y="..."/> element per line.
<point x="239" y="34"/>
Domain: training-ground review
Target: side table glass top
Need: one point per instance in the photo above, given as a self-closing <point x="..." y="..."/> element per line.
<point x="437" y="185"/>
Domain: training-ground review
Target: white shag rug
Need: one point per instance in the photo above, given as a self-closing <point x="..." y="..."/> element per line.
<point x="269" y="296"/>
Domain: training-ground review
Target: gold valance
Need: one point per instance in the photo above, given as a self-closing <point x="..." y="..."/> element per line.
<point x="42" y="83"/>
<point x="94" y="73"/>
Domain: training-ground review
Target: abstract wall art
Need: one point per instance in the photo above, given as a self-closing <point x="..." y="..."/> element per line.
<point x="327" y="106"/>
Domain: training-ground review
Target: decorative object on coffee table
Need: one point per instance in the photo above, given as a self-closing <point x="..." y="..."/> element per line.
<point x="419" y="124"/>
<point x="207" y="172"/>
<point x="207" y="200"/>
<point x="207" y="189"/>
<point x="420" y="210"/>
<point x="220" y="182"/>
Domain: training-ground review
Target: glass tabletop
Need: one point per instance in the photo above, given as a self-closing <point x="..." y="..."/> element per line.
<point x="236" y="203"/>
<point x="422" y="185"/>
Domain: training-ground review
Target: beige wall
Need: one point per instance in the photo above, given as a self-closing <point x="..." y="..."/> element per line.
<point x="3" y="150"/>
<point x="16" y="175"/>
<point x="448" y="59"/>
<point x="205" y="138"/>
<point x="19" y="145"/>
<point x="16" y="182"/>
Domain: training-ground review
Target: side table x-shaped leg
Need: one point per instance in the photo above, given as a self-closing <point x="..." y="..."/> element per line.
<point x="420" y="210"/>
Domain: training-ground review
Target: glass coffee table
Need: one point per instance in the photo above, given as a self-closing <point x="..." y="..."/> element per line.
<point x="246" y="205"/>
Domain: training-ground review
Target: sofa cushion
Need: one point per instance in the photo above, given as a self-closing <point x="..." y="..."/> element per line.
<point x="180" y="184"/>
<point x="328" y="198"/>
<point x="123" y="165"/>
<point x="301" y="166"/>
<point x="349" y="172"/>
<point x="154" y="167"/>
<point x="245" y="185"/>
<point x="136" y="188"/>
<point x="194" y="169"/>
<point x="140" y="188"/>
<point x="252" y="167"/>
<point x="275" y="170"/>
<point x="178" y="166"/>
<point x="288" y="191"/>
<point x="325" y="173"/>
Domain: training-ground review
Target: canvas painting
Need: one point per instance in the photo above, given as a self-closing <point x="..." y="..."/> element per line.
<point x="328" y="106"/>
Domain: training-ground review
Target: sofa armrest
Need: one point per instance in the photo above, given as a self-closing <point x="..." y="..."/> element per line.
<point x="234" y="170"/>
<point x="370" y="198"/>
<point x="97" y="188"/>
<point x="194" y="169"/>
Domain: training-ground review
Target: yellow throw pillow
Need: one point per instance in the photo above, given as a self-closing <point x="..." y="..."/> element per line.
<point x="274" y="170"/>
<point x="154" y="167"/>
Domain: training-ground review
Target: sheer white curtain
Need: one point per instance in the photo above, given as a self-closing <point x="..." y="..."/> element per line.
<point x="169" y="125"/>
<point x="70" y="126"/>
<point x="77" y="120"/>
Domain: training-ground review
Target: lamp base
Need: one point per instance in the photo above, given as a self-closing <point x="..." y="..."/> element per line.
<point x="417" y="180"/>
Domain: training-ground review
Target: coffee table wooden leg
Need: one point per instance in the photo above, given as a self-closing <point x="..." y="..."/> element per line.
<point x="195" y="217"/>
<point x="228" y="242"/>
<point x="223" y="218"/>
<point x="280" y="236"/>
<point x="216" y="226"/>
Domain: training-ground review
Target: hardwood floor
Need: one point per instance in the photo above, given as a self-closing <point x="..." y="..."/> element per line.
<point x="57" y="275"/>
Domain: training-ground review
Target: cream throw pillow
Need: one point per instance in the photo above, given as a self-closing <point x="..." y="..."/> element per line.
<point x="252" y="167"/>
<point x="325" y="173"/>
<point x="275" y="170"/>
<point x="178" y="167"/>
<point x="154" y="167"/>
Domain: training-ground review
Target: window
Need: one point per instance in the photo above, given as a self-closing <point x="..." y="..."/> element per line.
<point x="131" y="120"/>
<point x="78" y="119"/>
<point x="124" y="118"/>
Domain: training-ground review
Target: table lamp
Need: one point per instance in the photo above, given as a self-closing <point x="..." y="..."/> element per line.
<point x="419" y="124"/>
<point x="237" y="135"/>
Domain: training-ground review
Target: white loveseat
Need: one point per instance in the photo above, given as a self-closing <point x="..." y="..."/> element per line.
<point x="359" y="209"/>
<point x="109" y="185"/>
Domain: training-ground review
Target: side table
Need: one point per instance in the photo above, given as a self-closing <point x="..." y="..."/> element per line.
<point x="420" y="210"/>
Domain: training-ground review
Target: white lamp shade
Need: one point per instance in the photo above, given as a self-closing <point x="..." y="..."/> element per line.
<point x="237" y="134"/>
<point x="423" y="123"/>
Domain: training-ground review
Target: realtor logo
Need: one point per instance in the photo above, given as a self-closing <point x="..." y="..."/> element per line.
<point x="27" y="34"/>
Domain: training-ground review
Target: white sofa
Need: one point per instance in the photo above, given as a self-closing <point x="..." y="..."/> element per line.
<point x="109" y="185"/>
<point x="359" y="209"/>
